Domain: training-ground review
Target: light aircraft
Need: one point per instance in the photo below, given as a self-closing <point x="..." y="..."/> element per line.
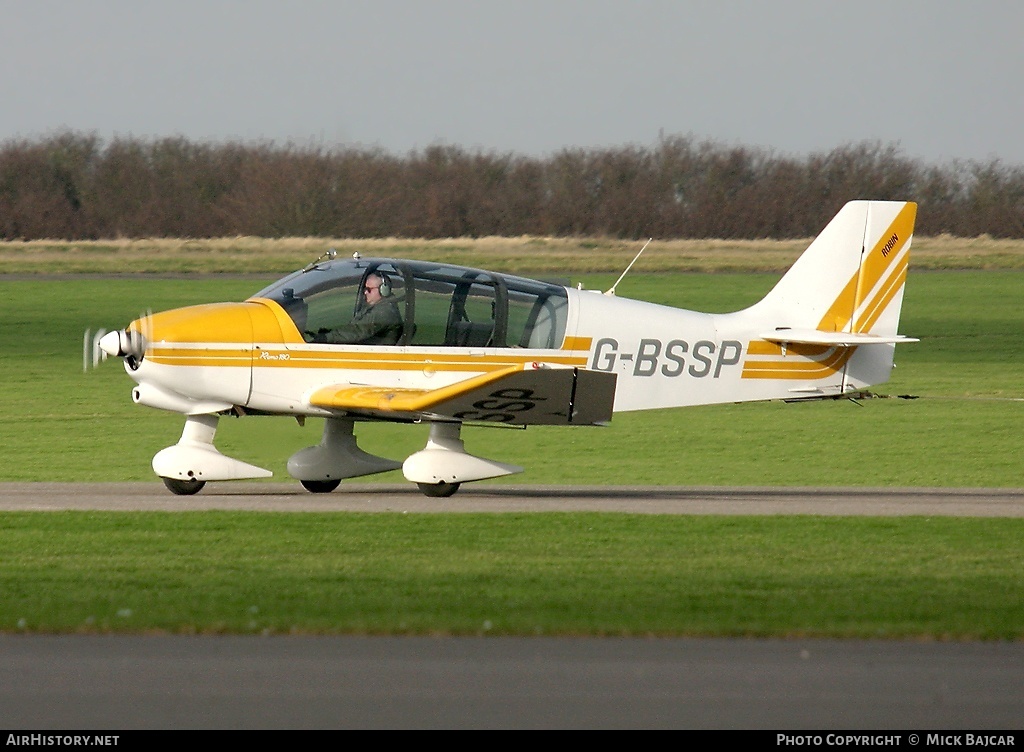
<point x="473" y="346"/>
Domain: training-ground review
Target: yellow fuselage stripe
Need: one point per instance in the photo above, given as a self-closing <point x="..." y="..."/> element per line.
<point x="205" y="355"/>
<point x="798" y="369"/>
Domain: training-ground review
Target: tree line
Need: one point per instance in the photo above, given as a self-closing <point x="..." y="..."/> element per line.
<point x="75" y="186"/>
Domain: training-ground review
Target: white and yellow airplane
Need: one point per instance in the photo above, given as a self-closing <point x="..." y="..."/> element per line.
<point x="466" y="345"/>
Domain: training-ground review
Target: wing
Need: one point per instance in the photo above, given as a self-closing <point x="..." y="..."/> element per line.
<point x="522" y="394"/>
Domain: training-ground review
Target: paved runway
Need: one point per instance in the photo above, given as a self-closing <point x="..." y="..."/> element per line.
<point x="122" y="683"/>
<point x="50" y="682"/>
<point x="368" y="497"/>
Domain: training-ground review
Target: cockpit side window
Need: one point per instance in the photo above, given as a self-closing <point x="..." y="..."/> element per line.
<point x="433" y="306"/>
<point x="473" y="317"/>
<point x="537" y="317"/>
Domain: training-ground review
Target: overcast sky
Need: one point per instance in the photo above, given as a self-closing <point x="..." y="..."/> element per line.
<point x="940" y="79"/>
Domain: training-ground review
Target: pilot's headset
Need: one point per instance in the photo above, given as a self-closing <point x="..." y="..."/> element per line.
<point x="385" y="284"/>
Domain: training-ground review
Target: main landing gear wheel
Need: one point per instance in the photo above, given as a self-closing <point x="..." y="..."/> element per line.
<point x="320" y="486"/>
<point x="440" y="490"/>
<point x="183" y="487"/>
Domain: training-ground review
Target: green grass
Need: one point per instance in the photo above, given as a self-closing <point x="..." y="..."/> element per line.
<point x="524" y="574"/>
<point x="553" y="573"/>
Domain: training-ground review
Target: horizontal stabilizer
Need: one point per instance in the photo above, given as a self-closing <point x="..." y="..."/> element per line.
<point x="521" y="394"/>
<point x="833" y="339"/>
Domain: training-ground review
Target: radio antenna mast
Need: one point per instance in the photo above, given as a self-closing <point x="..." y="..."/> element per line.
<point x="611" y="290"/>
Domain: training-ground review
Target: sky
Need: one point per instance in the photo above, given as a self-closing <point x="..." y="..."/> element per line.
<point x="941" y="80"/>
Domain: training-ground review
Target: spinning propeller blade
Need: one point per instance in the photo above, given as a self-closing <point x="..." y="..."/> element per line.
<point x="92" y="353"/>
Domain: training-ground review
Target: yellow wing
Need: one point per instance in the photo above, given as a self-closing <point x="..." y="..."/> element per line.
<point x="522" y="394"/>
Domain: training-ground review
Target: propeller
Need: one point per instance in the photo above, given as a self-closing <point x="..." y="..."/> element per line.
<point x="129" y="343"/>
<point x="92" y="353"/>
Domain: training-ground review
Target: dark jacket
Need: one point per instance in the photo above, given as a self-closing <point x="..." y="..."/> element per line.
<point x="379" y="324"/>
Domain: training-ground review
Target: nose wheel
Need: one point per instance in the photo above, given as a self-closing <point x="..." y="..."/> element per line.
<point x="440" y="490"/>
<point x="183" y="487"/>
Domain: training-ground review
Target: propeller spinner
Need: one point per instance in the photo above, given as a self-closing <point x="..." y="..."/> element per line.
<point x="122" y="343"/>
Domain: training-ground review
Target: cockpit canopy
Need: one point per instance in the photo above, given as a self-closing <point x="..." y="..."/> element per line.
<point x="441" y="304"/>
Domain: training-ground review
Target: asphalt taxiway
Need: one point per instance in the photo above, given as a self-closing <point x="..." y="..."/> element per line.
<point x="369" y="497"/>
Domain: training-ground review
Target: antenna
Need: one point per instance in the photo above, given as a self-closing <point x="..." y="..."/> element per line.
<point x="611" y="290"/>
<point x="330" y="255"/>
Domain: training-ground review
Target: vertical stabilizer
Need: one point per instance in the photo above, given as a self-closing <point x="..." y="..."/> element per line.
<point x="851" y="278"/>
<point x="834" y="315"/>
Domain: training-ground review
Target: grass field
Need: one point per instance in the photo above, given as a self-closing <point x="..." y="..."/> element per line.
<point x="500" y="574"/>
<point x="543" y="573"/>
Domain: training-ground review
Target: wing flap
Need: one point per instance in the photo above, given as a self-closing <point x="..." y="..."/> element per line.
<point x="834" y="339"/>
<point x="522" y="394"/>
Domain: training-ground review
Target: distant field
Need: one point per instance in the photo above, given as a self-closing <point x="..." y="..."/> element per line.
<point x="515" y="255"/>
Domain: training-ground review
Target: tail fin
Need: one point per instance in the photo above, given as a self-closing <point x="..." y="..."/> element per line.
<point x="850" y="279"/>
<point x="845" y="291"/>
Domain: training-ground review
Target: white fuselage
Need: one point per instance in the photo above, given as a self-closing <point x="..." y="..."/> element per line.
<point x="661" y="356"/>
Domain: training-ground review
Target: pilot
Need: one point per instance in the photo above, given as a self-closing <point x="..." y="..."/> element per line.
<point x="376" y="322"/>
